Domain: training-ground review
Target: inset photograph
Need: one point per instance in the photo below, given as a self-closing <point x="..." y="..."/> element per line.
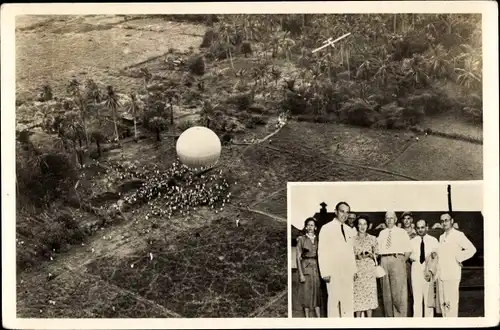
<point x="387" y="249"/>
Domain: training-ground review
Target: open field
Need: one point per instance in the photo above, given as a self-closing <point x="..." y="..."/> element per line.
<point x="445" y="159"/>
<point x="143" y="262"/>
<point x="449" y="125"/>
<point x="95" y="47"/>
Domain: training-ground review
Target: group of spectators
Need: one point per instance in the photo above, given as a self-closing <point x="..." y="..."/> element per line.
<point x="418" y="273"/>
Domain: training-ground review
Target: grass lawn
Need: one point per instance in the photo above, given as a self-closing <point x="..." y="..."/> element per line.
<point x="83" y="47"/>
<point x="437" y="158"/>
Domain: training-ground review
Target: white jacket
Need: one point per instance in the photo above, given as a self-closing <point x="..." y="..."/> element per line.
<point x="335" y="255"/>
<point x="453" y="249"/>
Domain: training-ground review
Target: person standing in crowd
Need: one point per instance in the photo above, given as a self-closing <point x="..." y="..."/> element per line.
<point x="407" y="220"/>
<point x="351" y="219"/>
<point x="337" y="264"/>
<point x="365" y="284"/>
<point x="307" y="266"/>
<point x="454" y="248"/>
<point x="423" y="245"/>
<point x="395" y="249"/>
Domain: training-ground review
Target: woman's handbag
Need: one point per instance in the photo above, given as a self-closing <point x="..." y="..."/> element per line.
<point x="379" y="271"/>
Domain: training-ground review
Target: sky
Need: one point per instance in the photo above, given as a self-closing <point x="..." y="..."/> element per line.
<point x="304" y="198"/>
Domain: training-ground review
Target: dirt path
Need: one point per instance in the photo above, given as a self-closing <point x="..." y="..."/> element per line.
<point x="272" y="216"/>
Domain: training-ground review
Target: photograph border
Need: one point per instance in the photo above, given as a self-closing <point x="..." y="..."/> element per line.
<point x="489" y="11"/>
<point x="423" y="322"/>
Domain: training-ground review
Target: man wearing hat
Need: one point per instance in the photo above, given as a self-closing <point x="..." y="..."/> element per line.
<point x="395" y="249"/>
<point x="407" y="220"/>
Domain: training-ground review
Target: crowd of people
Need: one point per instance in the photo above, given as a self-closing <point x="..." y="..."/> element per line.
<point x="180" y="189"/>
<point x="419" y="273"/>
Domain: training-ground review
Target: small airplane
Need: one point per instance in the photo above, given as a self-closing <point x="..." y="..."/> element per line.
<point x="331" y="42"/>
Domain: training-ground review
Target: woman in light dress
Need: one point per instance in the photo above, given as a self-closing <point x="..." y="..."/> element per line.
<point x="365" y="285"/>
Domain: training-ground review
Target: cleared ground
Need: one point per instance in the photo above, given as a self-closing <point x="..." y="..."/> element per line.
<point x="437" y="158"/>
<point x="97" y="47"/>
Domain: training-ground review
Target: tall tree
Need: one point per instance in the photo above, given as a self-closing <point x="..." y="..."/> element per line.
<point x="112" y="103"/>
<point x="134" y="109"/>
<point x="73" y="89"/>
<point x="93" y="94"/>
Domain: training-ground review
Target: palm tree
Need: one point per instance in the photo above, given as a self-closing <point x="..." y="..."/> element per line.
<point x="134" y="109"/>
<point x="46" y="94"/>
<point x="93" y="94"/>
<point x="112" y="103"/>
<point x="157" y="124"/>
<point x="72" y="133"/>
<point x="171" y="95"/>
<point x="74" y="90"/>
<point x="207" y="113"/>
<point x="147" y="76"/>
<point x="225" y="32"/>
<point x="98" y="137"/>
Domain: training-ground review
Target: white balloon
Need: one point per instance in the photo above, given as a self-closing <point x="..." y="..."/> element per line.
<point x="198" y="146"/>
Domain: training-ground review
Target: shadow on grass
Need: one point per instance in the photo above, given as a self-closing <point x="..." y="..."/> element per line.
<point x="219" y="271"/>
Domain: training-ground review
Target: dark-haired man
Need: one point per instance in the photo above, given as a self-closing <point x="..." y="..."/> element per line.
<point x="423" y="245"/>
<point x="337" y="263"/>
<point x="454" y="248"/>
<point x="351" y="219"/>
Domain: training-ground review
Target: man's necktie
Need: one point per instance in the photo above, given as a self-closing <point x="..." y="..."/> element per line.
<point x="389" y="242"/>
<point x="343" y="233"/>
<point x="422" y="251"/>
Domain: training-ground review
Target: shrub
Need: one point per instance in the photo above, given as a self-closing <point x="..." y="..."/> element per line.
<point x="246" y="48"/>
<point x="294" y="102"/>
<point x="405" y="46"/>
<point x="431" y="101"/>
<point x="474" y="115"/>
<point x="191" y="97"/>
<point x="220" y="50"/>
<point x="43" y="178"/>
<point x="186" y="124"/>
<point x="46" y="94"/>
<point x="293" y="24"/>
<point x="254" y="121"/>
<point x="391" y="116"/>
<point x="208" y="38"/>
<point x="241" y="100"/>
<point x="196" y="65"/>
<point x="358" y="112"/>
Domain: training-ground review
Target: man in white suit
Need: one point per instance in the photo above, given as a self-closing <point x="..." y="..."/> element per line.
<point x="337" y="263"/>
<point x="454" y="248"/>
<point x="423" y="245"/>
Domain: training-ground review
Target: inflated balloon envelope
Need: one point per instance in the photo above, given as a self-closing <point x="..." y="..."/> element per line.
<point x="198" y="147"/>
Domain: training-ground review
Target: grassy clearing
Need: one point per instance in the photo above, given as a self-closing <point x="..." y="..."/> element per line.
<point x="445" y="159"/>
<point x="350" y="144"/>
<point x="76" y="295"/>
<point x="45" y="57"/>
<point x="447" y="124"/>
<point x="196" y="276"/>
